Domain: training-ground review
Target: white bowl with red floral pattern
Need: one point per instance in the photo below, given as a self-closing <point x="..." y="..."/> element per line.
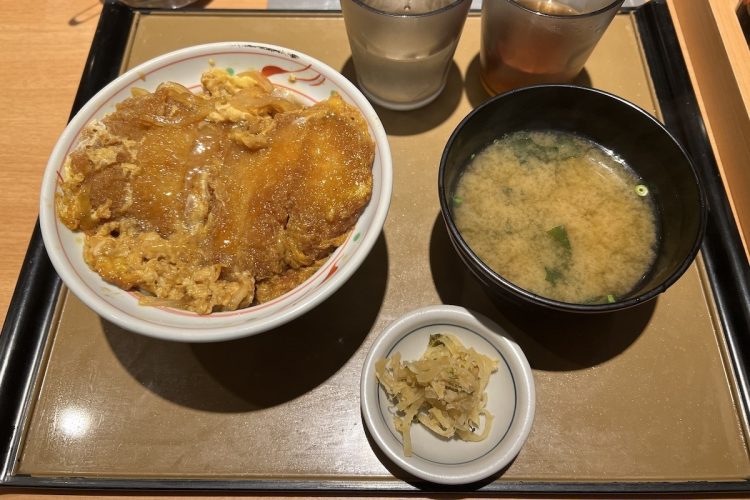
<point x="304" y="77"/>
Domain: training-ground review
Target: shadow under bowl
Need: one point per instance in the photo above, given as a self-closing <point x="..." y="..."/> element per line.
<point x="615" y="124"/>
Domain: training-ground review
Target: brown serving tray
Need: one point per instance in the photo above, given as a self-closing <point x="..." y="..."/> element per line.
<point x="650" y="399"/>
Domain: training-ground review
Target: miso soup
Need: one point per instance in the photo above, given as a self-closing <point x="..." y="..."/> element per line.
<point x="557" y="215"/>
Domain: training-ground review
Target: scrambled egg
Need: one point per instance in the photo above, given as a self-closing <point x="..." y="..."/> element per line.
<point x="217" y="200"/>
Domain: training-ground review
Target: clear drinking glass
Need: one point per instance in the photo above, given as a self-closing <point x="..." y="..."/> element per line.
<point x="527" y="42"/>
<point x="402" y="49"/>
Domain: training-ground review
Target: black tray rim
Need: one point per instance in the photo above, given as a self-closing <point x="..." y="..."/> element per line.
<point x="32" y="309"/>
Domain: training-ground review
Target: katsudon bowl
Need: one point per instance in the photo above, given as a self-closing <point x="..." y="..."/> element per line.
<point x="663" y="174"/>
<point x="308" y="80"/>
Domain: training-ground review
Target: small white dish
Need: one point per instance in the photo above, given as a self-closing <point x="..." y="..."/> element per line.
<point x="510" y="398"/>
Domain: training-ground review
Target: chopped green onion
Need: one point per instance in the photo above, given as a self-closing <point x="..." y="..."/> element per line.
<point x="457" y="200"/>
<point x="611" y="299"/>
<point x="560" y="235"/>
<point x="641" y="190"/>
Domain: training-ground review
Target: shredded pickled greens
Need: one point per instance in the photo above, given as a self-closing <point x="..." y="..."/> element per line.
<point x="444" y="390"/>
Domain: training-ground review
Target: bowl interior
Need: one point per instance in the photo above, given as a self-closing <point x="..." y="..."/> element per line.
<point x="615" y="124"/>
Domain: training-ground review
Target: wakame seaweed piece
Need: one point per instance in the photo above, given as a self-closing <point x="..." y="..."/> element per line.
<point x="560" y="235"/>
<point x="524" y="146"/>
<point x="552" y="275"/>
<point x="567" y="147"/>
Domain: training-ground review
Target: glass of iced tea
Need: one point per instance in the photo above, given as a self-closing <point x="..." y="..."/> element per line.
<point x="527" y="42"/>
<point x="402" y="49"/>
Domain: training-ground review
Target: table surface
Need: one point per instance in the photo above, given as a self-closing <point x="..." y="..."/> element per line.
<point x="42" y="54"/>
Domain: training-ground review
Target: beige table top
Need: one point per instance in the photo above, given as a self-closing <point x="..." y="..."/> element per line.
<point x="42" y="53"/>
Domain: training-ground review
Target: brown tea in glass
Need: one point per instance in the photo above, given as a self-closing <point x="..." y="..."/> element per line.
<point x="526" y="42"/>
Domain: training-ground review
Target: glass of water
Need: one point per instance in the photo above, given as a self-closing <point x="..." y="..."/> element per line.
<point x="402" y="49"/>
